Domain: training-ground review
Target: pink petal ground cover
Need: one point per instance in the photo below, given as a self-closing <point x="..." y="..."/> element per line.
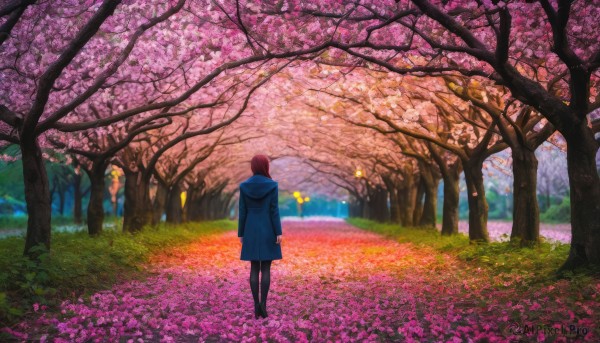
<point x="335" y="283"/>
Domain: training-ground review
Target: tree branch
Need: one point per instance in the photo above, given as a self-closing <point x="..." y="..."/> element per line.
<point x="110" y="70"/>
<point x="47" y="79"/>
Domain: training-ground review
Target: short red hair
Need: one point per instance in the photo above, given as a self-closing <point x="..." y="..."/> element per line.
<point x="260" y="165"/>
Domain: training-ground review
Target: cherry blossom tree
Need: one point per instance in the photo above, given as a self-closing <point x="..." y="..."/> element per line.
<point x="473" y="136"/>
<point x="96" y="148"/>
<point x="147" y="58"/>
<point x="430" y="88"/>
<point x="65" y="77"/>
<point x="557" y="44"/>
<point x="555" y="40"/>
<point x="523" y="131"/>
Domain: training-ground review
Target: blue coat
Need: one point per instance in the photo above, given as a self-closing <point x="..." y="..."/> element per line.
<point x="258" y="220"/>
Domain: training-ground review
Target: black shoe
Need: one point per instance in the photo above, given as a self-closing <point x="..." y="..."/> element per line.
<point x="263" y="309"/>
<point x="257" y="310"/>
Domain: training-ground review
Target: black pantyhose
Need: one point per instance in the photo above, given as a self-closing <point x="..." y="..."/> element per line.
<point x="264" y="267"/>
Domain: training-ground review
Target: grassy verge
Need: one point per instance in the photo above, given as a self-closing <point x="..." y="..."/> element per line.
<point x="79" y="265"/>
<point x="532" y="265"/>
<point x="12" y="222"/>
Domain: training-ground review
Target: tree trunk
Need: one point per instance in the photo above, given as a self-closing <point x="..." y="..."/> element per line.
<point x="451" y="200"/>
<point x="418" y="211"/>
<point x="355" y="207"/>
<point x="451" y="176"/>
<point x="227" y="203"/>
<point x="77" y="199"/>
<point x="233" y="207"/>
<point x="95" y="212"/>
<point x="191" y="195"/>
<point x="408" y="198"/>
<point x="201" y="207"/>
<point x="160" y="200"/>
<point x="394" y="206"/>
<point x="526" y="213"/>
<point x="430" y="182"/>
<point x="191" y="214"/>
<point x="365" y="208"/>
<point x="37" y="196"/>
<point x="478" y="206"/>
<point x="378" y="208"/>
<point x="210" y="206"/>
<point x="585" y="199"/>
<point x="137" y="211"/>
<point x="428" y="217"/>
<point x="174" y="210"/>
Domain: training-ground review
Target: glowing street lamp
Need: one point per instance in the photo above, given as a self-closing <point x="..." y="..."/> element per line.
<point x="359" y="173"/>
<point x="300" y="201"/>
<point x="183" y="197"/>
<point x="114" y="187"/>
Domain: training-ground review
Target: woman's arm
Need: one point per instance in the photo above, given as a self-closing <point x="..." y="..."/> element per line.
<point x="241" y="216"/>
<point x="275" y="211"/>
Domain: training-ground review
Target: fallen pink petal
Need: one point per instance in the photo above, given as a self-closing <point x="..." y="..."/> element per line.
<point x="337" y="283"/>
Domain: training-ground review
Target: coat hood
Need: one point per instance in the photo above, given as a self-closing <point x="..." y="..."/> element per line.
<point x="257" y="186"/>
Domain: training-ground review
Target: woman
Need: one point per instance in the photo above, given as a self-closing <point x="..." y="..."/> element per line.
<point x="259" y="228"/>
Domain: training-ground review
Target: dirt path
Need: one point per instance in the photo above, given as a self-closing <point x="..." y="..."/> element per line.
<point x="334" y="283"/>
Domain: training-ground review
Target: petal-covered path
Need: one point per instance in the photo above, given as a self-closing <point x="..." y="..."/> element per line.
<point x="335" y="283"/>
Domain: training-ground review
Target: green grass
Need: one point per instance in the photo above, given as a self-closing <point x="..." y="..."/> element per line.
<point x="78" y="264"/>
<point x="532" y="264"/>
<point x="20" y="222"/>
<point x="558" y="213"/>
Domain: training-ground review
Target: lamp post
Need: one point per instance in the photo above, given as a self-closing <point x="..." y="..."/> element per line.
<point x="360" y="175"/>
<point x="183" y="197"/>
<point x="114" y="187"/>
<point x="300" y="200"/>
